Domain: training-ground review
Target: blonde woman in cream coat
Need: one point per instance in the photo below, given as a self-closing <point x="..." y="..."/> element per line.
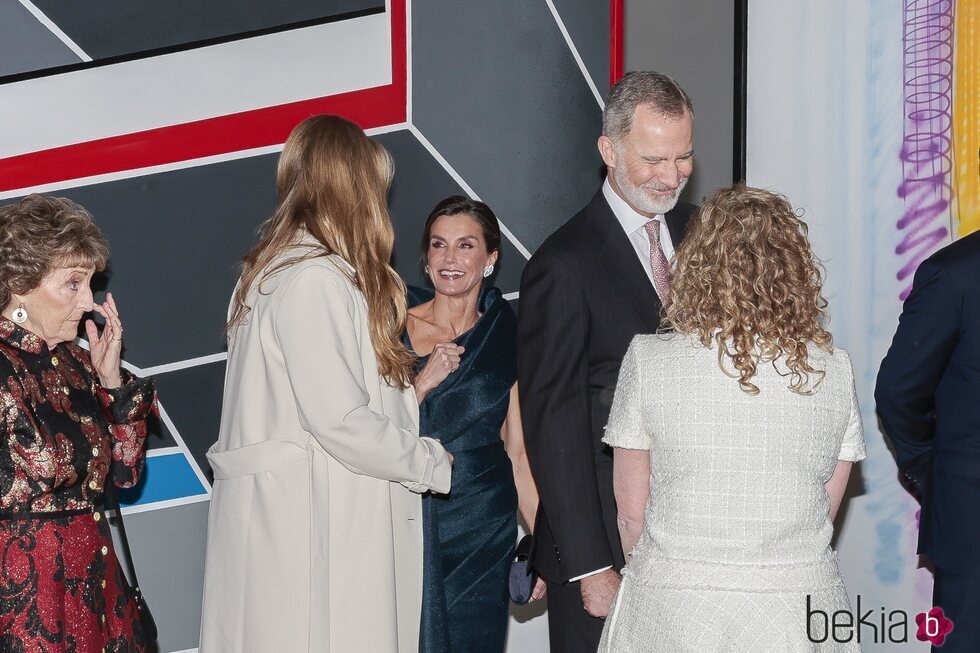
<point x="315" y="540"/>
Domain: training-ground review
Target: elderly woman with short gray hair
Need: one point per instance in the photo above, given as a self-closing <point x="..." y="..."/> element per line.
<point x="73" y="420"/>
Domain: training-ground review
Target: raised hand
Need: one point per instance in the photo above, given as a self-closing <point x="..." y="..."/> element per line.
<point x="443" y="361"/>
<point x="106" y="348"/>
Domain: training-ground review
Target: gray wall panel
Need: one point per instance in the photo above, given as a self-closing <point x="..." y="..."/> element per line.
<point x="168" y="550"/>
<point x="118" y="27"/>
<point x="159" y="436"/>
<point x="673" y="37"/>
<point x="587" y="22"/>
<point x="176" y="239"/>
<point x="498" y="93"/>
<point x="192" y="399"/>
<point x="419" y="183"/>
<point x="26" y="44"/>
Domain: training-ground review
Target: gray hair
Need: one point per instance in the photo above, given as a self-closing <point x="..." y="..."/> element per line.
<point x="647" y="87"/>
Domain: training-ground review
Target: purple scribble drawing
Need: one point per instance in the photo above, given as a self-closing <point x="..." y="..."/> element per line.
<point x="925" y="155"/>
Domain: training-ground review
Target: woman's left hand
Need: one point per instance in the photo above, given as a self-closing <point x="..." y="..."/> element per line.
<point x="540" y="589"/>
<point x="106" y="349"/>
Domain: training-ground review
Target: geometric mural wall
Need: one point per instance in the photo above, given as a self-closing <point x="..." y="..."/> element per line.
<point x="165" y="120"/>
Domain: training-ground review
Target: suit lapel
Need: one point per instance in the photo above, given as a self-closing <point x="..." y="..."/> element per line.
<point x="625" y="271"/>
<point x="677" y="219"/>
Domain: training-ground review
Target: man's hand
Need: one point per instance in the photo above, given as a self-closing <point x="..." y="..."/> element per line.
<point x="598" y="592"/>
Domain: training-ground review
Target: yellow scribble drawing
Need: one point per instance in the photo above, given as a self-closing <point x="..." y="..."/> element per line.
<point x="966" y="117"/>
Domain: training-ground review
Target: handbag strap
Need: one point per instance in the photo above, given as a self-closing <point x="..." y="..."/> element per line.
<point x="112" y="503"/>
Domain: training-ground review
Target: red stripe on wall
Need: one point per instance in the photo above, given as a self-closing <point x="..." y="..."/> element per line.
<point x="372" y="107"/>
<point x="399" y="54"/>
<point x="615" y="40"/>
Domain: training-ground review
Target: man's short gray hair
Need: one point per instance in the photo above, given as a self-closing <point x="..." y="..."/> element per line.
<point x="646" y="87"/>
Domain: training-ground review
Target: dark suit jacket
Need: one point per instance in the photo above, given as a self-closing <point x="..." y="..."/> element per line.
<point x="584" y="295"/>
<point x="928" y="400"/>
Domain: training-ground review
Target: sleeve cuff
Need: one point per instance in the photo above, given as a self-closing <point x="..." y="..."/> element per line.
<point x="917" y="474"/>
<point x="130" y="402"/>
<point x="437" y="473"/>
<point x="852" y="454"/>
<point x="591" y="573"/>
<point x="624" y="441"/>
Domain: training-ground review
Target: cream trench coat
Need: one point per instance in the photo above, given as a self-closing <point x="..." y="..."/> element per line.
<point x="315" y="527"/>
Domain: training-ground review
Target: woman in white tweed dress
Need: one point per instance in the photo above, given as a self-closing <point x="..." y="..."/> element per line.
<point x="734" y="439"/>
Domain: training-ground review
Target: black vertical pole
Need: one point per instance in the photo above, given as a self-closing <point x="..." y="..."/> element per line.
<point x="741" y="80"/>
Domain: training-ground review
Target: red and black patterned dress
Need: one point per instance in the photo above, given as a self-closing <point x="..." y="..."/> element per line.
<point x="61" y="587"/>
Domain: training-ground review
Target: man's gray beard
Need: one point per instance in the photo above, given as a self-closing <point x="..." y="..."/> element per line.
<point x="635" y="196"/>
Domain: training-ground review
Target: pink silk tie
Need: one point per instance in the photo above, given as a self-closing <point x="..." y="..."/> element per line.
<point x="659" y="263"/>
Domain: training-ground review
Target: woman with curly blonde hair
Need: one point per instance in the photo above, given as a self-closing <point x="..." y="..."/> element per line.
<point x="734" y="438"/>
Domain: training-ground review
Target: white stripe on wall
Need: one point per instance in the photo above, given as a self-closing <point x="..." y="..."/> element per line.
<point x="458" y="178"/>
<point x="301" y="64"/>
<point x="575" y="53"/>
<point x="54" y="29"/>
<point x="169" y="503"/>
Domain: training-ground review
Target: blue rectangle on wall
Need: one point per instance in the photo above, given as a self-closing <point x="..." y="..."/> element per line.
<point x="164" y="478"/>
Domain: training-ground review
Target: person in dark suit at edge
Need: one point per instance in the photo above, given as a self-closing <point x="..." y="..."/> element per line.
<point x="927" y="400"/>
<point x="599" y="280"/>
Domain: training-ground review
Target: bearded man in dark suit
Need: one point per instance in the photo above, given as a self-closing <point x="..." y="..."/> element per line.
<point x="593" y="285"/>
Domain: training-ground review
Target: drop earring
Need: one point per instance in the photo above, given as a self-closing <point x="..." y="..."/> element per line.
<point x="487" y="271"/>
<point x="19" y="314"/>
<point x="428" y="272"/>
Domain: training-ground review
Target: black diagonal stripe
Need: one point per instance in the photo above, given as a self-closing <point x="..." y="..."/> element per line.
<point x="144" y="53"/>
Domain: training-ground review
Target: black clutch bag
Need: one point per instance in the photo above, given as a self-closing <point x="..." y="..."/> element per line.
<point x="522" y="576"/>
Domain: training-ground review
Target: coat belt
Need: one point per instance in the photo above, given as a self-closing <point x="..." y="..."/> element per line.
<point x="254" y="458"/>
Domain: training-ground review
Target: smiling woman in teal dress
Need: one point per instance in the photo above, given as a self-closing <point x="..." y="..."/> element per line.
<point x="465" y="337"/>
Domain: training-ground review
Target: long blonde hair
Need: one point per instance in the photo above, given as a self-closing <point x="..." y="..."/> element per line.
<point x="332" y="181"/>
<point x="745" y="276"/>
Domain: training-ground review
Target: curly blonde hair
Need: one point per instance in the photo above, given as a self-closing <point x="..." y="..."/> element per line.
<point x="745" y="277"/>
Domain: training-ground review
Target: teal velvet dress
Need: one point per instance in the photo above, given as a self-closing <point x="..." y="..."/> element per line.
<point x="469" y="534"/>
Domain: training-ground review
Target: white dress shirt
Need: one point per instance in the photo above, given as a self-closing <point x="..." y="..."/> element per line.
<point x="634" y="225"/>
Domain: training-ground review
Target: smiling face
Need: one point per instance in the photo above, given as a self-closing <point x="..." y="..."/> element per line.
<point x="457" y="254"/>
<point x="56" y="307"/>
<point x="651" y="163"/>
